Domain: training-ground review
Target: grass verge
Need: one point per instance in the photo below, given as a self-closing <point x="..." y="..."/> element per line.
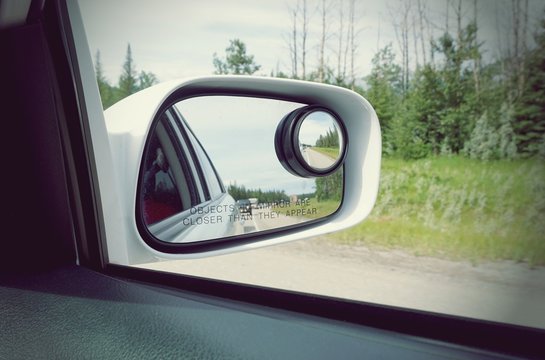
<point x="331" y="152"/>
<point x="458" y="208"/>
<point x="322" y="208"/>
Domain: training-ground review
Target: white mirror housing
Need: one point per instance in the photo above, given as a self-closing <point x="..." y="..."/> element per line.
<point x="129" y="122"/>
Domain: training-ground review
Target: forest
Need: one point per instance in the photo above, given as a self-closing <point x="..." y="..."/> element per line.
<point x="440" y="98"/>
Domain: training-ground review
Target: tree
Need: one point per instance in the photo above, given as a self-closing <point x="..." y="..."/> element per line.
<point x="236" y="60"/>
<point x="304" y="36"/>
<point x="105" y="89"/>
<point x="417" y="130"/>
<point x="128" y="81"/>
<point x="458" y="84"/>
<point x="341" y="65"/>
<point x="484" y="140"/>
<point x="351" y="41"/>
<point x="146" y="79"/>
<point x="297" y="39"/>
<point x="530" y="110"/>
<point x="267" y="196"/>
<point x="518" y="51"/>
<point x="507" y="146"/>
<point x="422" y="18"/>
<point x="292" y="42"/>
<point x="384" y="88"/>
<point x="321" y="55"/>
<point x="329" y="140"/>
<point x="330" y="187"/>
<point x="400" y="21"/>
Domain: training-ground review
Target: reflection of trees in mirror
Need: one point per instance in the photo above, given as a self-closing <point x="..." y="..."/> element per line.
<point x="315" y="205"/>
<point x="269" y="196"/>
<point x="310" y="208"/>
<point x="330" y="187"/>
<point x="329" y="140"/>
<point x="328" y="144"/>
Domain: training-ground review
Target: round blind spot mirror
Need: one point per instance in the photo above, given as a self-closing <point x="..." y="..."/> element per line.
<point x="311" y="142"/>
<point x="320" y="140"/>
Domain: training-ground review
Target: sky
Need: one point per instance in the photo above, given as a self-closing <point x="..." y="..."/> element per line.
<point x="178" y="38"/>
<point x="238" y="135"/>
<point x="316" y="124"/>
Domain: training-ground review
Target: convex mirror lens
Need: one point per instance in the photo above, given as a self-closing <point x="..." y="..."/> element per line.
<point x="320" y="140"/>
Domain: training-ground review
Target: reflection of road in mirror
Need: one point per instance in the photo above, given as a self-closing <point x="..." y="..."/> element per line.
<point x="267" y="219"/>
<point x="316" y="159"/>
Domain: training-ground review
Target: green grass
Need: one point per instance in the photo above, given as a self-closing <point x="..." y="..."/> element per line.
<point x="331" y="152"/>
<point x="460" y="209"/>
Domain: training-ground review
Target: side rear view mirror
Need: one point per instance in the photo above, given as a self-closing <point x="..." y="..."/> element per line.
<point x="222" y="164"/>
<point x="214" y="169"/>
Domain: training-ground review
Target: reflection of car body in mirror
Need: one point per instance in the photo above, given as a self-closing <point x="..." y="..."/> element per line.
<point x="161" y="198"/>
<point x="254" y="202"/>
<point x="181" y="189"/>
<point x="244" y="206"/>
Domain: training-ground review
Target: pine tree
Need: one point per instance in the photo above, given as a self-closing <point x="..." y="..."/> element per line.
<point x="507" y="147"/>
<point x="458" y="85"/>
<point x="530" y="111"/>
<point x="236" y="60"/>
<point x="384" y="89"/>
<point x="146" y="79"/>
<point x="104" y="88"/>
<point x="416" y="130"/>
<point x="484" y="140"/>
<point x="128" y="81"/>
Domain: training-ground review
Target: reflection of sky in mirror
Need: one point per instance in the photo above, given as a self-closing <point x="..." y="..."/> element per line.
<point x="238" y="135"/>
<point x="315" y="125"/>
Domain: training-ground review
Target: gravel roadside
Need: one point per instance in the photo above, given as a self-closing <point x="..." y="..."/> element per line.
<point x="496" y="291"/>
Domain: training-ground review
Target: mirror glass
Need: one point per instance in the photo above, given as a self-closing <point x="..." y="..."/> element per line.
<point x="210" y="171"/>
<point x="320" y="140"/>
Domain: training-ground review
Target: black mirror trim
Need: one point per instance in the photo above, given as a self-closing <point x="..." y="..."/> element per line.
<point x="287" y="147"/>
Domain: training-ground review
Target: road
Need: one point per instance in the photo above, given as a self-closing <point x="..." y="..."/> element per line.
<point x="268" y="218"/>
<point x="500" y="291"/>
<point x="317" y="160"/>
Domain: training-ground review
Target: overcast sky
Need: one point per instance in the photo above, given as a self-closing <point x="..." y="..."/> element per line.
<point x="177" y="38"/>
<point x="238" y="135"/>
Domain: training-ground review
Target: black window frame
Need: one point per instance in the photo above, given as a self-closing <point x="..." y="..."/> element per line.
<point x="176" y="117"/>
<point x="184" y="157"/>
<point x="196" y="143"/>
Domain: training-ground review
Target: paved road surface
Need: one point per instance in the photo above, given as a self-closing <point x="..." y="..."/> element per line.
<point x="267" y="219"/>
<point x="316" y="159"/>
<point x="503" y="291"/>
